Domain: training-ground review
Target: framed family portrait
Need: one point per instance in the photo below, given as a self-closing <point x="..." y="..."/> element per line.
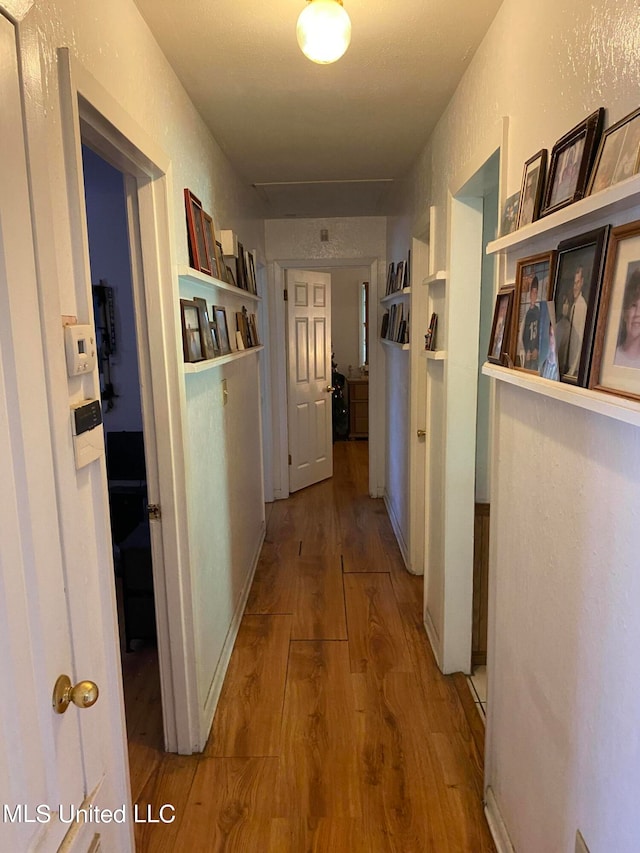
<point x="500" y="328"/>
<point x="618" y="156"/>
<point x="576" y="294"/>
<point x="616" y="358"/>
<point x="533" y="286"/>
<point x="191" y="332"/>
<point x="535" y="170"/>
<point x="198" y="254"/>
<point x="571" y="159"/>
<point x="220" y="315"/>
<point x="210" y="242"/>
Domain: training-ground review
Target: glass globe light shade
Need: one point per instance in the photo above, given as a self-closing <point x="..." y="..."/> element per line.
<point x="323" y="31"/>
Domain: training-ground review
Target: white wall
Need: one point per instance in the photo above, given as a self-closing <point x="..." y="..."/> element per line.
<point x="346" y="285"/>
<point x="113" y="44"/>
<point x="564" y="691"/>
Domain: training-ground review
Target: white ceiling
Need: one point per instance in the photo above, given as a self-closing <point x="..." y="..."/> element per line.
<point x="291" y="124"/>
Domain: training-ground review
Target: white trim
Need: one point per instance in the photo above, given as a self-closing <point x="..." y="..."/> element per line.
<point x="215" y="688"/>
<point x="219" y="360"/>
<point x="439" y="277"/>
<point x="497" y="825"/>
<point x="434" y="354"/>
<point x="395" y="524"/>
<point x="398" y="294"/>
<point x="607" y="405"/>
<point x="616" y="199"/>
<point x="89" y="109"/>
<point x="434" y="639"/>
<point x="191" y="276"/>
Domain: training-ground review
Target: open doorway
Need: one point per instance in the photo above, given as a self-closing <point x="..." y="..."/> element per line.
<point x="114" y="316"/>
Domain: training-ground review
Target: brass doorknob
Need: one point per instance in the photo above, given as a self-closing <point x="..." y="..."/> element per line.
<point x="84" y="694"/>
<point x="329" y="389"/>
<point x="422" y="433"/>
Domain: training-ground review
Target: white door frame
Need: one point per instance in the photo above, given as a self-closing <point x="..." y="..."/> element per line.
<point x="91" y="115"/>
<point x="464" y="247"/>
<point x="279" y="442"/>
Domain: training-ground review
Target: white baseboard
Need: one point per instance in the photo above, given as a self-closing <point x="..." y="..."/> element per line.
<point x="397" y="530"/>
<point x="434" y="639"/>
<point x="496" y="824"/>
<point x="211" y="702"/>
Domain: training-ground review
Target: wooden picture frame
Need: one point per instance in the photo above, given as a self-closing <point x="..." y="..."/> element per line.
<point x="509" y="219"/>
<point x="618" y="156"/>
<point x="191" y="331"/>
<point x="499" y="340"/>
<point x="390" y="279"/>
<point x="615" y="366"/>
<point x="208" y="348"/>
<point x="534" y="276"/>
<point x="220" y="314"/>
<point x="576" y="295"/>
<point x="198" y="254"/>
<point x="222" y="268"/>
<point x="210" y="242"/>
<point x="571" y="160"/>
<point x="533" y="177"/>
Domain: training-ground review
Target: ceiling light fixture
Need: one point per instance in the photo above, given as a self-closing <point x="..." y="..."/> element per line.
<point x="323" y="31"/>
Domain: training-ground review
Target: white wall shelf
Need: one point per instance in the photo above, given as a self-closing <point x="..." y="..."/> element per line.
<point x="406" y="291"/>
<point x="188" y="274"/>
<point x="616" y="199"/>
<point x="433" y="355"/>
<point x="439" y="277"/>
<point x="608" y="405"/>
<point x="394" y="344"/>
<point x="210" y="363"/>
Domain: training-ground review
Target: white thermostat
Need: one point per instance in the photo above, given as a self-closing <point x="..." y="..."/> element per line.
<point x="80" y="348"/>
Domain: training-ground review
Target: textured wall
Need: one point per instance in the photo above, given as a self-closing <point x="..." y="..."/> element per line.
<point x="562" y="734"/>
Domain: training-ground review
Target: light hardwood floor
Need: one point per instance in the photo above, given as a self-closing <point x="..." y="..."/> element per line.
<point x="335" y="730"/>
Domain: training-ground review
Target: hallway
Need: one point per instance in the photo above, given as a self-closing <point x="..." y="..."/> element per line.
<point x="335" y="730"/>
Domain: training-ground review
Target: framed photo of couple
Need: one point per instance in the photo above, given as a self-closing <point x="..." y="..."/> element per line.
<point x="616" y="357"/>
<point x="571" y="160"/>
<point x="499" y="339"/>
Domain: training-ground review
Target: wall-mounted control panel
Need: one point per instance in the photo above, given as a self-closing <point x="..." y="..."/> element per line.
<point x="80" y="349"/>
<point x="88" y="434"/>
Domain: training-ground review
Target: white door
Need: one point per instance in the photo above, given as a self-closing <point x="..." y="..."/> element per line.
<point x="50" y="764"/>
<point x="309" y="375"/>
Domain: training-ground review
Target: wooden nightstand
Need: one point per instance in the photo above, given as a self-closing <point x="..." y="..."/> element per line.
<point x="358" y="407"/>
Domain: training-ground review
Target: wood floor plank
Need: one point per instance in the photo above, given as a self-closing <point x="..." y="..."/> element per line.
<point x="274" y="584"/>
<point x="326" y="835"/>
<point x="230" y="805"/>
<point x="145" y="735"/>
<point x="171" y="783"/>
<point x="319" y="610"/>
<point x="362" y="547"/>
<point x="376" y="635"/>
<point x="248" y="718"/>
<point x="319" y="775"/>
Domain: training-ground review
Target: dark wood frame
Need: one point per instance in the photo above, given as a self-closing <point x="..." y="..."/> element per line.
<point x="541" y="157"/>
<point x="617" y="236"/>
<point x="208" y="344"/>
<point x="186" y="305"/>
<point x="507" y="292"/>
<point x="590" y="130"/>
<point x="220" y="313"/>
<point x="607" y="136"/>
<point x="210" y="242"/>
<point x="195" y="227"/>
<point x="231" y="279"/>
<point x="543" y="257"/>
<point x="597" y="238"/>
<point x="390" y="279"/>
